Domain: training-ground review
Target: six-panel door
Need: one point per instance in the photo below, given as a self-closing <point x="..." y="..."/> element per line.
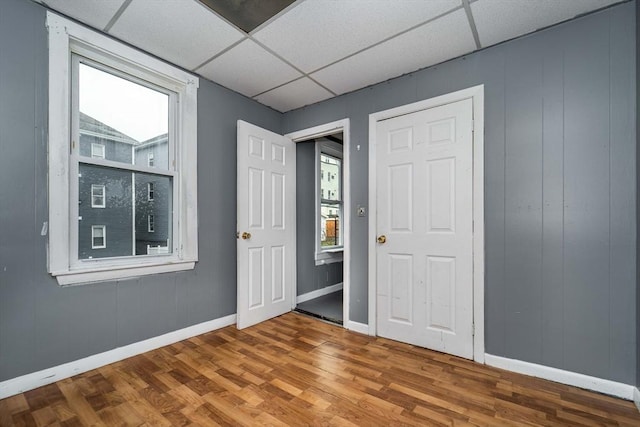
<point x="266" y="262"/>
<point x="425" y="212"/>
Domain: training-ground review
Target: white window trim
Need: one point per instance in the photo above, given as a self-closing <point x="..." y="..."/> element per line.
<point x="333" y="253"/>
<point x="104" y="236"/>
<point x="94" y="151"/>
<point x="150" y="160"/>
<point x="151" y="223"/>
<point x="151" y="191"/>
<point x="65" y="37"/>
<point x="104" y="196"/>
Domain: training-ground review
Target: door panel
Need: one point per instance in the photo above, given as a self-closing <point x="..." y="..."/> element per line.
<point x="266" y="174"/>
<point x="425" y="210"/>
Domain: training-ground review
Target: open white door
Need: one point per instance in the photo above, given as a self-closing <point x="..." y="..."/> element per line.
<point x="266" y="224"/>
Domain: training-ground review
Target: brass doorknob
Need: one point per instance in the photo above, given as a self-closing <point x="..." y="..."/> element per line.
<point x="382" y="239"/>
<point x="246" y="235"/>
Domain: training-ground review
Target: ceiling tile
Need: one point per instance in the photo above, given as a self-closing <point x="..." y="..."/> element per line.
<point x="331" y="29"/>
<point x="249" y="69"/>
<point x="438" y="41"/>
<point x="293" y="95"/>
<point x="184" y="32"/>
<point x="96" y="13"/>
<point x="499" y="20"/>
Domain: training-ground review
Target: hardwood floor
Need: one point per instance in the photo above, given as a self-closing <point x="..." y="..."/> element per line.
<point x="295" y="370"/>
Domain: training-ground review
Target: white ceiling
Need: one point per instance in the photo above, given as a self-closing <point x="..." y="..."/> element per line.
<point x="317" y="49"/>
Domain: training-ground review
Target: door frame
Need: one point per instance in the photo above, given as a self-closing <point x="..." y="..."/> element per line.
<point x="316" y="132"/>
<point x="476" y="94"/>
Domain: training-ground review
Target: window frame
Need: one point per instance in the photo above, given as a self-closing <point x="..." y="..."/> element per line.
<point x="104" y="236"/>
<point x="150" y="191"/>
<point x="328" y="255"/>
<point x="67" y="38"/>
<point x="151" y="223"/>
<point x="104" y="196"/>
<point x="150" y="159"/>
<point x="94" y="147"/>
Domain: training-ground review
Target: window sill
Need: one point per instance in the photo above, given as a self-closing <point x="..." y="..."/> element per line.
<point x="329" y="256"/>
<point x="78" y="277"/>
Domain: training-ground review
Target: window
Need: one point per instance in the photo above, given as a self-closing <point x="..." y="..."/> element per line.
<point x="97" y="151"/>
<point x="150" y="191"/>
<point x="98" y="236"/>
<point x="97" y="196"/>
<point x="329" y="201"/>
<point x="96" y="85"/>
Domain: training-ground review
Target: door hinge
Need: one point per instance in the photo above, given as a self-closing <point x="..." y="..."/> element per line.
<point x="473" y="329"/>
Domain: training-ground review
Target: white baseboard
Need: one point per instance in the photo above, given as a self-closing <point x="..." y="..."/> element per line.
<point x="636" y="397"/>
<point x="613" y="388"/>
<point x="50" y="375"/>
<point x="318" y="293"/>
<point x="357" y="327"/>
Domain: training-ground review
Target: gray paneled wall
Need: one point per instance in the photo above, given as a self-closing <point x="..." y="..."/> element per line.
<point x="309" y="276"/>
<point x="43" y="324"/>
<point x="637" y="14"/>
<point x="560" y="188"/>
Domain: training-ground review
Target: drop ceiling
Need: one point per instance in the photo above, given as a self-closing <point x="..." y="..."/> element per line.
<point x="313" y="50"/>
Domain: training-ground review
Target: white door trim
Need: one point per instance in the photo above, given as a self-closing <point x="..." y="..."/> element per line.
<point x="475" y="93"/>
<point x="315" y="132"/>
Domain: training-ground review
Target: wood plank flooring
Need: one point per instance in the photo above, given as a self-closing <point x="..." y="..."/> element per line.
<point x="295" y="370"/>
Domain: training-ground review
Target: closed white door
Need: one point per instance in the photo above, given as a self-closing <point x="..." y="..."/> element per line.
<point x="424" y="224"/>
<point x="266" y="239"/>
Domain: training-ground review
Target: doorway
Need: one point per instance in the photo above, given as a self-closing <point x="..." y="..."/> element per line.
<point x="320" y="227"/>
<point x="266" y="221"/>
<point x="322" y="234"/>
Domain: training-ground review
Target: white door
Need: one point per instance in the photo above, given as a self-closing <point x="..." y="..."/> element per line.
<point x="424" y="222"/>
<point x="266" y="239"/>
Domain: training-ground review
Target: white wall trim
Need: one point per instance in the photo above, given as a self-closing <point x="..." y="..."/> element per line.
<point x="636" y="397"/>
<point x="50" y="375"/>
<point x="476" y="93"/>
<point x="327" y="129"/>
<point x="361" y="328"/>
<point x="318" y="293"/>
<point x="613" y="388"/>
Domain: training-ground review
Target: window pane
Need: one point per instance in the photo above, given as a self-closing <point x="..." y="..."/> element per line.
<point x="331" y="220"/>
<point x="153" y="217"/>
<point x="130" y="121"/>
<point x="330" y="173"/>
<point x="126" y="202"/>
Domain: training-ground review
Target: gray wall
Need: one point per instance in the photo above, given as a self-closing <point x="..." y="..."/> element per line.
<point x="637" y="198"/>
<point x="309" y="277"/>
<point x="43" y="324"/>
<point x="560" y="216"/>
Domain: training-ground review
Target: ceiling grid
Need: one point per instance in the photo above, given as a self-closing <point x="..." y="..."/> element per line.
<point x="307" y="51"/>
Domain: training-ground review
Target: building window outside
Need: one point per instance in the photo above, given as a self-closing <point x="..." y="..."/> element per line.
<point x="98" y="196"/>
<point x="106" y="83"/>
<point x="97" y="151"/>
<point x="150" y="191"/>
<point x="98" y="236"/>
